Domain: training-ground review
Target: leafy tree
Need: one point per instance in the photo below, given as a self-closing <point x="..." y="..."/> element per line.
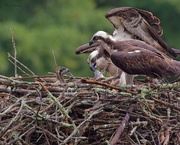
<point x="60" y="25"/>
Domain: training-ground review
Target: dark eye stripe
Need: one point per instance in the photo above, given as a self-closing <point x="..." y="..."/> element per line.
<point x="95" y="38"/>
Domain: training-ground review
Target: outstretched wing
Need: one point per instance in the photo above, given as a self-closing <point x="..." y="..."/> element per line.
<point x="153" y="21"/>
<point x="139" y="23"/>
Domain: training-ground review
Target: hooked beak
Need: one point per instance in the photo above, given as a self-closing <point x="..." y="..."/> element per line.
<point x="97" y="73"/>
<point x="92" y="66"/>
<point x="91" y="42"/>
<point x="64" y="70"/>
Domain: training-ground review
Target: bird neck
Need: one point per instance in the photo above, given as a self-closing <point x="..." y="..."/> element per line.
<point x="107" y="45"/>
<point x="108" y="40"/>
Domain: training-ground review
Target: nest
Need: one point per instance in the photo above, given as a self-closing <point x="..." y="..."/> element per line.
<point x="83" y="111"/>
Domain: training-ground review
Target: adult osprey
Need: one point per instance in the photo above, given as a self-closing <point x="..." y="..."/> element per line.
<point x="130" y="23"/>
<point x="136" y="57"/>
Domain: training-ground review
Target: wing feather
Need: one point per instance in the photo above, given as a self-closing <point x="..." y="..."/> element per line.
<point x="142" y="62"/>
<point x="140" y="23"/>
<point x="153" y="21"/>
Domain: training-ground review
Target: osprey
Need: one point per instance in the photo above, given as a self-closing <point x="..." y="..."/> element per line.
<point x="136" y="57"/>
<point x="100" y="59"/>
<point x="131" y="23"/>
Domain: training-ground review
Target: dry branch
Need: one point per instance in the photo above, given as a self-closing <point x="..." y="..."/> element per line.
<point x="45" y="111"/>
<point x="121" y="127"/>
<point x="15" y="53"/>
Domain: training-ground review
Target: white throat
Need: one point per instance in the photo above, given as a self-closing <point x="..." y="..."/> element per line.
<point x="121" y="34"/>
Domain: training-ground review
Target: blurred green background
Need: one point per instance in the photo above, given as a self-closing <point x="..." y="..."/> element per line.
<point x="40" y="26"/>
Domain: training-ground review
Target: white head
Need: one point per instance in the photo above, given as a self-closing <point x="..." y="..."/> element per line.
<point x="92" y="56"/>
<point x="99" y="36"/>
<point x="98" y="59"/>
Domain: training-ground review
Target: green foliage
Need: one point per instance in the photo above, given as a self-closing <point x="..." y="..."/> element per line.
<point x="60" y="25"/>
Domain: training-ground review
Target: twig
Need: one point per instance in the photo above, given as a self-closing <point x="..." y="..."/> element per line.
<point x="77" y="129"/>
<point x="167" y="135"/>
<point x="150" y="115"/>
<point x="17" y="66"/>
<point x="20" y="137"/>
<point x="11" y="81"/>
<point x="137" y="138"/>
<point x="143" y="123"/>
<point x="14" y="119"/>
<point x="100" y="83"/>
<point x="55" y="62"/>
<point x="97" y="106"/>
<point x="49" y="133"/>
<point x="15" y="53"/>
<point x="10" y="107"/>
<point x="15" y="60"/>
<point x="166" y="104"/>
<point x="46" y="138"/>
<point x="121" y="127"/>
<point x="134" y="128"/>
<point x="61" y="108"/>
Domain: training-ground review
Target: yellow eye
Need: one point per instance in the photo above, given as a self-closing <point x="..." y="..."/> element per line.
<point x="93" y="59"/>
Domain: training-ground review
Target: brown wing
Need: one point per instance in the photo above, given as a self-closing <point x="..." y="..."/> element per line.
<point x="165" y="48"/>
<point x="123" y="45"/>
<point x="86" y="48"/>
<point x="112" y="16"/>
<point x="138" y="61"/>
<point x="144" y="26"/>
<point x="153" y="21"/>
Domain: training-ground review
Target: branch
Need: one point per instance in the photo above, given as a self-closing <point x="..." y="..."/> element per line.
<point x="15" y="53"/>
<point x="15" y="60"/>
<point x="100" y="83"/>
<point x="77" y="129"/>
<point x="61" y="108"/>
<point x="166" y="104"/>
<point x="121" y="127"/>
<point x="14" y="119"/>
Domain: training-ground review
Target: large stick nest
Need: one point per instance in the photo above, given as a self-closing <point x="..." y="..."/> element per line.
<point x="84" y="111"/>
